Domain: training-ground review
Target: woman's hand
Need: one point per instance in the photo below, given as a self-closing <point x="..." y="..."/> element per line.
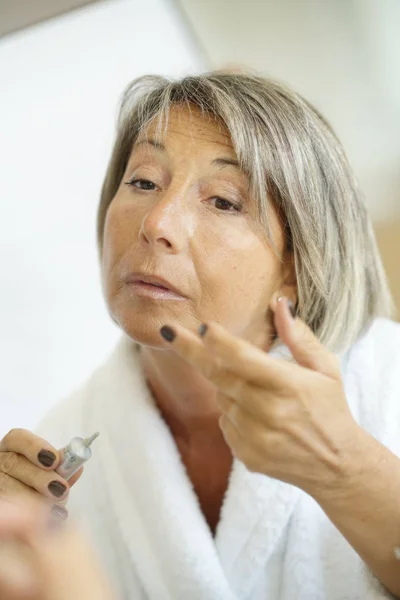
<point x="289" y="421"/>
<point x="292" y="422"/>
<point x="40" y="562"/>
<point x="27" y="470"/>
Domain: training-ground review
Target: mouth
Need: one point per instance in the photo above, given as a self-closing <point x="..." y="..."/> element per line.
<point x="151" y="286"/>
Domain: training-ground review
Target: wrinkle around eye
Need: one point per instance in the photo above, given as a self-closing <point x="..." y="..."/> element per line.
<point x="147" y="169"/>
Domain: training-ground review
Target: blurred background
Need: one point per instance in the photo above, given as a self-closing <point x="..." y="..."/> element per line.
<point x="63" y="66"/>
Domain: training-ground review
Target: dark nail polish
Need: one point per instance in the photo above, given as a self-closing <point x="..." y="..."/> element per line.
<point x="59" y="512"/>
<point x="46" y="458"/>
<point x="167" y="333"/>
<point x="203" y="330"/>
<point x="292" y="309"/>
<point x="57" y="488"/>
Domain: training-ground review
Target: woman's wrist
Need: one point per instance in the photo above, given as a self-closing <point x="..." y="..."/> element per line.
<point x="356" y="465"/>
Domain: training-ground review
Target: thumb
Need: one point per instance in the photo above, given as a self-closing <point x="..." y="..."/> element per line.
<point x="305" y="347"/>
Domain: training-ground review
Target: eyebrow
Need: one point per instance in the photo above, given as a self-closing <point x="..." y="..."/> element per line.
<point x="219" y="162"/>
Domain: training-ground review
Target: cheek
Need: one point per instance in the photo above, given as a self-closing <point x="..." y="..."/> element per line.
<point x="117" y="239"/>
<point x="111" y="241"/>
<point x="251" y="279"/>
<point x="121" y="225"/>
<point x="237" y="272"/>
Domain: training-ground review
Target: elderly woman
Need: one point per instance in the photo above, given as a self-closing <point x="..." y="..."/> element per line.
<point x="250" y="414"/>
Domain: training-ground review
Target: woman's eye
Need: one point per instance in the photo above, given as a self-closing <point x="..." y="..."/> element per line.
<point x="226" y="205"/>
<point x="141" y="184"/>
<point x="219" y="203"/>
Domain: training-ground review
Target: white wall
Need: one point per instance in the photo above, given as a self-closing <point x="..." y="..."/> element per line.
<point x="343" y="55"/>
<point x="60" y="85"/>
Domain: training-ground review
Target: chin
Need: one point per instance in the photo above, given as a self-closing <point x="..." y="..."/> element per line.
<point x="143" y="326"/>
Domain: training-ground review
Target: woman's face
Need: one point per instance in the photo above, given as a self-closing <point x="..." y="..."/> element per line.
<point x="182" y="218"/>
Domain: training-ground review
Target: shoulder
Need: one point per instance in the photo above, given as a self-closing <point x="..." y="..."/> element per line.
<point x="382" y="337"/>
<point x="378" y="347"/>
<point x="371" y="376"/>
<point x="385" y="332"/>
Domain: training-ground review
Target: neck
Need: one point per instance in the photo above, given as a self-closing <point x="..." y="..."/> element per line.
<point x="186" y="400"/>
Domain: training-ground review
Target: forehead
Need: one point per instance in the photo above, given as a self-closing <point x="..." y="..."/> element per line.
<point x="189" y="123"/>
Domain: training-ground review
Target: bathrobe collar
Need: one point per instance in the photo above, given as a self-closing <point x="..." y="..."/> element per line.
<point x="157" y="510"/>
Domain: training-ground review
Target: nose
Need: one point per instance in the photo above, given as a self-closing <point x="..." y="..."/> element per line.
<point x="163" y="225"/>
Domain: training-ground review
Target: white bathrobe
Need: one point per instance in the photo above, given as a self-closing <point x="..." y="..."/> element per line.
<point x="273" y="542"/>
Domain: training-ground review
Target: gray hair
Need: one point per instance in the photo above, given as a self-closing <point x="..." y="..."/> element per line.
<point x="292" y="158"/>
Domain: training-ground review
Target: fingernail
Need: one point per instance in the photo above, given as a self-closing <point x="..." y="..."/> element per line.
<point x="58" y="516"/>
<point x="292" y="309"/>
<point x="59" y="512"/>
<point x="202" y="330"/>
<point x="290" y="305"/>
<point x="46" y="458"/>
<point x="57" y="488"/>
<point x="167" y="333"/>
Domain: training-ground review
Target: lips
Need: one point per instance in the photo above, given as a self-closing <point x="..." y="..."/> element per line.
<point x="155" y="280"/>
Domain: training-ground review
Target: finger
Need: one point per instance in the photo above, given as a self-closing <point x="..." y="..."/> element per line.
<point x="15" y="519"/>
<point x="305" y="347"/>
<point x="245" y="359"/>
<point x="12" y="488"/>
<point x="24" y="514"/>
<point x="49" y="484"/>
<point x="218" y="350"/>
<point x="13" y="491"/>
<point x="35" y="449"/>
<point x="21" y="516"/>
<point x="190" y="347"/>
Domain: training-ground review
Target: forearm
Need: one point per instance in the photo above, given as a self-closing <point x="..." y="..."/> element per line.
<point x="364" y="504"/>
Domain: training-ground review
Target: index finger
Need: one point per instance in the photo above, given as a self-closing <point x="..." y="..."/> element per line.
<point x="34" y="448"/>
<point x="230" y="354"/>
